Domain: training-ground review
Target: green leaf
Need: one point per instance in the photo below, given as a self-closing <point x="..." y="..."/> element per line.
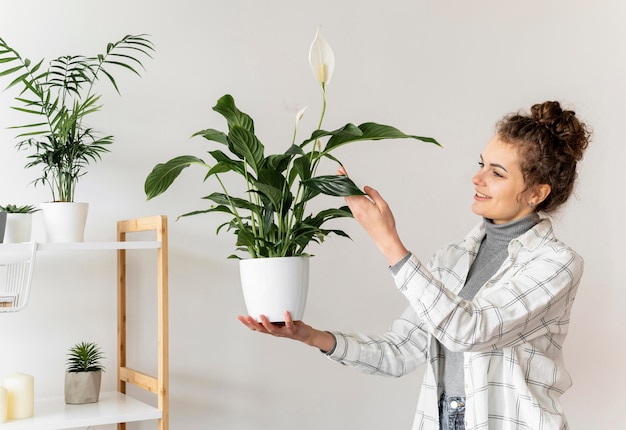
<point x="328" y="214"/>
<point x="302" y="166"/>
<point x="211" y="134"/>
<point x="278" y="162"/>
<point x="226" y="107"/>
<point x="334" y="185"/>
<point x="223" y="199"/>
<point x="10" y="71"/>
<point x="347" y="133"/>
<point x="164" y="174"/>
<point x="245" y="145"/>
<point x="225" y="164"/>
<point x="272" y="186"/>
<point x="366" y="131"/>
<point x="272" y="194"/>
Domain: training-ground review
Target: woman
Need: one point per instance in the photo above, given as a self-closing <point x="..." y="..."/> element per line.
<point x="488" y="315"/>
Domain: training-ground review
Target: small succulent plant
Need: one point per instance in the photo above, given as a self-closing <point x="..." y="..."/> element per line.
<point x="85" y="357"/>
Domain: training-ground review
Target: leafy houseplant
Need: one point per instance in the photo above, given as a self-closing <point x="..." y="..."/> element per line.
<point x="60" y="97"/>
<point x="83" y="374"/>
<point x="270" y="219"/>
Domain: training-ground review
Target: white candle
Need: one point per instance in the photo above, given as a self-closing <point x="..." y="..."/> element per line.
<point x="21" y="396"/>
<point x="4" y="404"/>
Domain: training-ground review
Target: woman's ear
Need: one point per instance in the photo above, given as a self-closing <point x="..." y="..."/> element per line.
<point x="540" y="193"/>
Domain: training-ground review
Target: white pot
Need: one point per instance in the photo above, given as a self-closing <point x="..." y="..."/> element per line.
<point x="18" y="228"/>
<point x="64" y="221"/>
<point x="272" y="286"/>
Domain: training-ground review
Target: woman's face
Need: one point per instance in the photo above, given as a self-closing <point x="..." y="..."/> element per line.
<point x="499" y="184"/>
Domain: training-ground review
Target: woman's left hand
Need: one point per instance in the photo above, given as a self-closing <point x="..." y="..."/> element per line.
<point x="296" y="330"/>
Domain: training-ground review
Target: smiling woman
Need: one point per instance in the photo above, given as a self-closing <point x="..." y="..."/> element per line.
<point x="501" y="191"/>
<point x="489" y="314"/>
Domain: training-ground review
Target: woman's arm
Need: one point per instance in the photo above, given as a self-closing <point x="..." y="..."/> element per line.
<point x="395" y="353"/>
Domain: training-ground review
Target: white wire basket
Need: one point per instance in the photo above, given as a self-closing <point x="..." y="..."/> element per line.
<point x="17" y="262"/>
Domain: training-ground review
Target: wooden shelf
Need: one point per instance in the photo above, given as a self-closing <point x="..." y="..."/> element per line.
<point x="113" y="407"/>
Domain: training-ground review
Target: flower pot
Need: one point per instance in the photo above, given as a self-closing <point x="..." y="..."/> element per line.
<point x="18" y="228"/>
<point x="64" y="221"/>
<point x="82" y="387"/>
<point x="272" y="286"/>
<point x="3" y="221"/>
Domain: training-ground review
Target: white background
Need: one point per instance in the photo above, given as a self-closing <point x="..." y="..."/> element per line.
<point x="448" y="69"/>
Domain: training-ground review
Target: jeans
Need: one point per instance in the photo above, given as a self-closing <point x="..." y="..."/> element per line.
<point x="451" y="413"/>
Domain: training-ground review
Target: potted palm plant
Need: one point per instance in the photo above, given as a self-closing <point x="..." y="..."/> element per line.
<point x="83" y="375"/>
<point x="18" y="222"/>
<point x="270" y="219"/>
<point x="60" y="97"/>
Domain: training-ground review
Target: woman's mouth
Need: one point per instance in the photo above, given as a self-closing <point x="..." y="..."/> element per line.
<point x="481" y="196"/>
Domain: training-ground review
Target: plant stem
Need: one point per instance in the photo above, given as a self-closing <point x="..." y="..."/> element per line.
<point x="252" y="252"/>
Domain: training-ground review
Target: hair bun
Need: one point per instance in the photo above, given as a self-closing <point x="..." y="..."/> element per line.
<point x="564" y="125"/>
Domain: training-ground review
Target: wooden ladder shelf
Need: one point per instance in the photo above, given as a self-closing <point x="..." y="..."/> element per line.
<point x="158" y="384"/>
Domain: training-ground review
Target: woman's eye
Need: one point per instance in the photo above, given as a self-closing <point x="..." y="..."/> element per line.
<point x="481" y="164"/>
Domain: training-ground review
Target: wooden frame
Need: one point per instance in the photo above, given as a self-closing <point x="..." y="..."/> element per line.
<point x="158" y="385"/>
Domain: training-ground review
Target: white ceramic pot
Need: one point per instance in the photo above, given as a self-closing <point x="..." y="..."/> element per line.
<point x="64" y="221"/>
<point x="18" y="228"/>
<point x="272" y="286"/>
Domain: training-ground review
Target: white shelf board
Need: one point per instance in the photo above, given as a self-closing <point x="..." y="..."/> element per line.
<point x="79" y="246"/>
<point x="113" y="407"/>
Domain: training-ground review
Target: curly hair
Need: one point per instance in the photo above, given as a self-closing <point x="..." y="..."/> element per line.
<point x="550" y="142"/>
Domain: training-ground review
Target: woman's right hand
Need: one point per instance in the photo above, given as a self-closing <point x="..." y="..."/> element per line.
<point x="296" y="330"/>
<point x="376" y="218"/>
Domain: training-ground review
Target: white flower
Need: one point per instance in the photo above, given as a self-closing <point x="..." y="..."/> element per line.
<point x="321" y="59"/>
<point x="300" y="114"/>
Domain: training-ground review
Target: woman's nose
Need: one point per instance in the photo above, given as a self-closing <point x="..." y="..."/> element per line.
<point x="477" y="179"/>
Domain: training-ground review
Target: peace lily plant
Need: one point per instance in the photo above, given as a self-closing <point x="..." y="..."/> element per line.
<point x="271" y="218"/>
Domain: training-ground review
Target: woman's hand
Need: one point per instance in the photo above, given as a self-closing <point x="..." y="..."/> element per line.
<point x="296" y="330"/>
<point x="376" y="218"/>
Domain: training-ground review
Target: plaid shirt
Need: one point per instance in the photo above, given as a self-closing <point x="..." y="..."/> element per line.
<point x="511" y="332"/>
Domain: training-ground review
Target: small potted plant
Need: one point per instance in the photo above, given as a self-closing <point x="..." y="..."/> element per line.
<point x="270" y="219"/>
<point x="60" y="97"/>
<point x="18" y="222"/>
<point x="83" y="375"/>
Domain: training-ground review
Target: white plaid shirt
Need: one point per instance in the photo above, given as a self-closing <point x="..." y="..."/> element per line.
<point x="511" y="332"/>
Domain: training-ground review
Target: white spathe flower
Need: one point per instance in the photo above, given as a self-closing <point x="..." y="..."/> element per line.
<point x="322" y="59"/>
<point x="300" y="114"/>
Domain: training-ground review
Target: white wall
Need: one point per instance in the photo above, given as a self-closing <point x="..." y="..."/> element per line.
<point x="447" y="68"/>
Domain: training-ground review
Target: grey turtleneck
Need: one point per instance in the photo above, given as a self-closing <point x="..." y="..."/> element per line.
<point x="491" y="254"/>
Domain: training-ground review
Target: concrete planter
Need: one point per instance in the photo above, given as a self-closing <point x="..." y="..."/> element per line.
<point x="82" y="387"/>
<point x="3" y="222"/>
